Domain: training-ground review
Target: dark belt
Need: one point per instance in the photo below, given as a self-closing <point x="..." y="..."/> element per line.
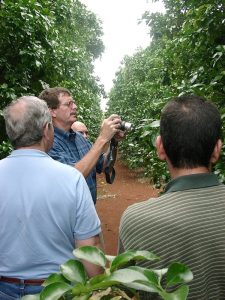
<point x="22" y="281"/>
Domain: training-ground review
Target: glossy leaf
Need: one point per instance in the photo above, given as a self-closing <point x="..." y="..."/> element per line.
<point x="180" y="294"/>
<point x="55" y="278"/>
<point x="54" y="291"/>
<point x="155" y="124"/>
<point x="91" y="254"/>
<point x="130" y="255"/>
<point x="178" y="273"/>
<point x="98" y="278"/>
<point x="74" y="271"/>
<point x="127" y="275"/>
<point x="113" y="284"/>
<point x="149" y="284"/>
<point x="151" y="275"/>
<point x="143" y="286"/>
<point x="104" y="284"/>
<point x="110" y="257"/>
<point x="31" y="297"/>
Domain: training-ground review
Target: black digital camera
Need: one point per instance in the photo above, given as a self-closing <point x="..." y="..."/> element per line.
<point x="125" y="126"/>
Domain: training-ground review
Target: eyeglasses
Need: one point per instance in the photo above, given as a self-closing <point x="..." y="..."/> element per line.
<point x="68" y="104"/>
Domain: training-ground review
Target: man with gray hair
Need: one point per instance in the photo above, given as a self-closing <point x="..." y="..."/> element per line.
<point x="46" y="207"/>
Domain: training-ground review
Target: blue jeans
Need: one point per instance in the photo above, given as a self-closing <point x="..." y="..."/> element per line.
<point x="12" y="291"/>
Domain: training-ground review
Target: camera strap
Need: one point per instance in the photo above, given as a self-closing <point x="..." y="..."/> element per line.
<point x="110" y="172"/>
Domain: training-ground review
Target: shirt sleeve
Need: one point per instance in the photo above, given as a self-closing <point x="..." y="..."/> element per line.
<point x="87" y="221"/>
<point x="63" y="155"/>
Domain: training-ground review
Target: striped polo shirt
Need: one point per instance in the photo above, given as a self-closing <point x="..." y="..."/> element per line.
<point x="185" y="224"/>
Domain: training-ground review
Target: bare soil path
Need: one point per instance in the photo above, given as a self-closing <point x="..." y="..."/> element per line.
<point x="128" y="187"/>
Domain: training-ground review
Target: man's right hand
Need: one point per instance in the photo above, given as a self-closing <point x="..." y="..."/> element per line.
<point x="110" y="127"/>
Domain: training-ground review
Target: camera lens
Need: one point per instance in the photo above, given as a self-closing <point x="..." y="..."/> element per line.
<point x="125" y="126"/>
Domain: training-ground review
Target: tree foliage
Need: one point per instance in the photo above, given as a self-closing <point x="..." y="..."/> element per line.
<point x="50" y="43"/>
<point x="186" y="55"/>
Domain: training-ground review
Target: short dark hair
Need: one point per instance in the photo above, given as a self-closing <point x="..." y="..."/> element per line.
<point x="51" y="96"/>
<point x="190" y="126"/>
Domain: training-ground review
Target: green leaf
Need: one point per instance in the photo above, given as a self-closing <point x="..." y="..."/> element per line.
<point x="151" y="275"/>
<point x="55" y="278"/>
<point x="97" y="279"/>
<point x="180" y="294"/>
<point x="155" y="124"/>
<point x="31" y="297"/>
<point x="146" y="133"/>
<point x="54" y="291"/>
<point x="145" y="286"/>
<point x="151" y="282"/>
<point x="178" y="273"/>
<point x="91" y="254"/>
<point x="74" y="271"/>
<point x="129" y="255"/>
<point x="127" y="275"/>
<point x="110" y="257"/>
<point x="103" y="284"/>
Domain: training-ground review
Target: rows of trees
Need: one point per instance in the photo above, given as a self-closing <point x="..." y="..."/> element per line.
<point x="50" y="43"/>
<point x="186" y="55"/>
<point x="54" y="43"/>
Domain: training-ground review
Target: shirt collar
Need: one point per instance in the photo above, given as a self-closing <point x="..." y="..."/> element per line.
<point x="193" y="181"/>
<point x="28" y="152"/>
<point x="66" y="134"/>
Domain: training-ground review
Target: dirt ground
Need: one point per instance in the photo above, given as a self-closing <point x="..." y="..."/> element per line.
<point x="128" y="187"/>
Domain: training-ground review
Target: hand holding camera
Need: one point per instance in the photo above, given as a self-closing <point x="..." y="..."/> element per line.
<point x="114" y="127"/>
<point x="122" y="127"/>
<point x="125" y="126"/>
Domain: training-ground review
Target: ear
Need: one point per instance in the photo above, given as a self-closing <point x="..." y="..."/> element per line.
<point x="46" y="130"/>
<point x="160" y="149"/>
<point x="216" y="152"/>
<point x="52" y="112"/>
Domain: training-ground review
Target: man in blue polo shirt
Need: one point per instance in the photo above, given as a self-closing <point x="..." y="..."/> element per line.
<point x="71" y="147"/>
<point x="46" y="207"/>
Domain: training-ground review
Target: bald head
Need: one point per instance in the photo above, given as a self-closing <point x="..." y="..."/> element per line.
<point x="80" y="127"/>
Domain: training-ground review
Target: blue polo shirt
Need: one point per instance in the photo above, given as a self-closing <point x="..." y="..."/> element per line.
<point x="71" y="147"/>
<point x="45" y="206"/>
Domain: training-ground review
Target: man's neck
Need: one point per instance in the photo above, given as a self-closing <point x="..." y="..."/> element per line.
<point x="176" y="172"/>
<point x="65" y="127"/>
<point x="33" y="147"/>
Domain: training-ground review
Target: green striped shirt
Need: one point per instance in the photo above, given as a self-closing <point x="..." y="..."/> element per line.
<point x="185" y="224"/>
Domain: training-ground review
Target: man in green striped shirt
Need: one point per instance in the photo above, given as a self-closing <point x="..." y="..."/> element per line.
<point x="187" y="222"/>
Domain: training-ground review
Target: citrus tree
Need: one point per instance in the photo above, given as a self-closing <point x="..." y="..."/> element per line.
<point x="186" y="55"/>
<point x="50" y="43"/>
